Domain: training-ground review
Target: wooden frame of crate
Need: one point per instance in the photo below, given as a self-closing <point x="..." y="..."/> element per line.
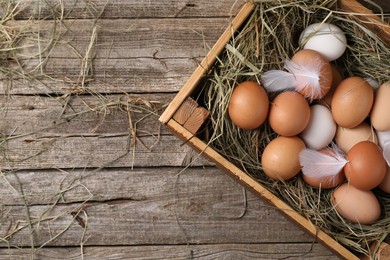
<point x="184" y="117"/>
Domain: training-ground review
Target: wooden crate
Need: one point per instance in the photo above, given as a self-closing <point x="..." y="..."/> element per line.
<point x="184" y="117"/>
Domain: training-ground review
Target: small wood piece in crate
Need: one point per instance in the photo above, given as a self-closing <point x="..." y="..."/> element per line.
<point x="190" y="115"/>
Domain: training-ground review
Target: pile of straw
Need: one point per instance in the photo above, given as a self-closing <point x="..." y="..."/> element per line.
<point x="268" y="37"/>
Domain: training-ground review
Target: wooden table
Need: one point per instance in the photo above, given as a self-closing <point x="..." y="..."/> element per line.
<point x="87" y="171"/>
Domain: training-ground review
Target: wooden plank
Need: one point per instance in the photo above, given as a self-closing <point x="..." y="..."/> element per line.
<point x="83" y="114"/>
<point x="39" y="132"/>
<point x="48" y="151"/>
<point x="42" y="187"/>
<point x="119" y="38"/>
<point x="202" y="216"/>
<point x="112" y="76"/>
<point x="205" y="252"/>
<point x="147" y="55"/>
<point x="114" y="9"/>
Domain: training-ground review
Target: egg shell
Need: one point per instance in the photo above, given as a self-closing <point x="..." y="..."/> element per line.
<point x="311" y="60"/>
<point x="356" y="205"/>
<point x="385" y="184"/>
<point x="337" y="78"/>
<point x="352" y="102"/>
<point x="289" y="113"/>
<point x="321" y="128"/>
<point x="348" y="137"/>
<point x="380" y="118"/>
<point x="366" y="166"/>
<point x="328" y="39"/>
<point x="328" y="181"/>
<point x="280" y="158"/>
<point x="248" y="106"/>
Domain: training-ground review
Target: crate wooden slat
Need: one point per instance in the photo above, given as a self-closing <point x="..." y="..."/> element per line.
<point x="187" y="135"/>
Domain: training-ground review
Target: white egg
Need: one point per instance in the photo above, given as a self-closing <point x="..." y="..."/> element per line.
<point x="321" y="128"/>
<point x="325" y="38"/>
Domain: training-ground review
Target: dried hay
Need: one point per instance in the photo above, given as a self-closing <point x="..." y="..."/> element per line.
<point x="269" y="36"/>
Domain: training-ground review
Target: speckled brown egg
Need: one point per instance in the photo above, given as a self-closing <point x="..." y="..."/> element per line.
<point x="352" y="102"/>
<point x="248" y="105"/>
<point x="289" y="113"/>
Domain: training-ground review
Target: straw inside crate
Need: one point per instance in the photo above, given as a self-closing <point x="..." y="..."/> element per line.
<point x="269" y="36"/>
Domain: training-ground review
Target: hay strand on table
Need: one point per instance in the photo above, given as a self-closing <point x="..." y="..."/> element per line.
<point x="269" y="36"/>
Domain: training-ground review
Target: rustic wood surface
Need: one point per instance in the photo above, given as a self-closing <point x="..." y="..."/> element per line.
<point x="86" y="169"/>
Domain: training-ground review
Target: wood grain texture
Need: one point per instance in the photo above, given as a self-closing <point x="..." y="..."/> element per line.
<point x="114" y="9"/>
<point x="135" y="206"/>
<point x="206" y="252"/>
<point x="82" y="114"/>
<point x="196" y="120"/>
<point x="41" y="151"/>
<point x="127" y="56"/>
<point x="179" y="214"/>
<point x="185" y="110"/>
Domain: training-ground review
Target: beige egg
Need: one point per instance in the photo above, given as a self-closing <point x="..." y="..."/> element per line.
<point x="380" y="118"/>
<point x="385" y="184"/>
<point x="348" y="137"/>
<point x="356" y="205"/>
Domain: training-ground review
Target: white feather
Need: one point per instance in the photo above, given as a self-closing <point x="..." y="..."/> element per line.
<point x="386" y="153"/>
<point x="318" y="165"/>
<point x="276" y="80"/>
<point x="306" y="77"/>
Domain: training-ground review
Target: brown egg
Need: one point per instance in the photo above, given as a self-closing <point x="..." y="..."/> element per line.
<point x="310" y="59"/>
<point x="352" y="102"/>
<point x="325" y="182"/>
<point x="248" y="105"/>
<point x="380" y="118"/>
<point x="337" y="78"/>
<point x="289" y="113"/>
<point x="356" y="205"/>
<point x="348" y="137"/>
<point x="385" y="184"/>
<point x="366" y="166"/>
<point x="280" y="158"/>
